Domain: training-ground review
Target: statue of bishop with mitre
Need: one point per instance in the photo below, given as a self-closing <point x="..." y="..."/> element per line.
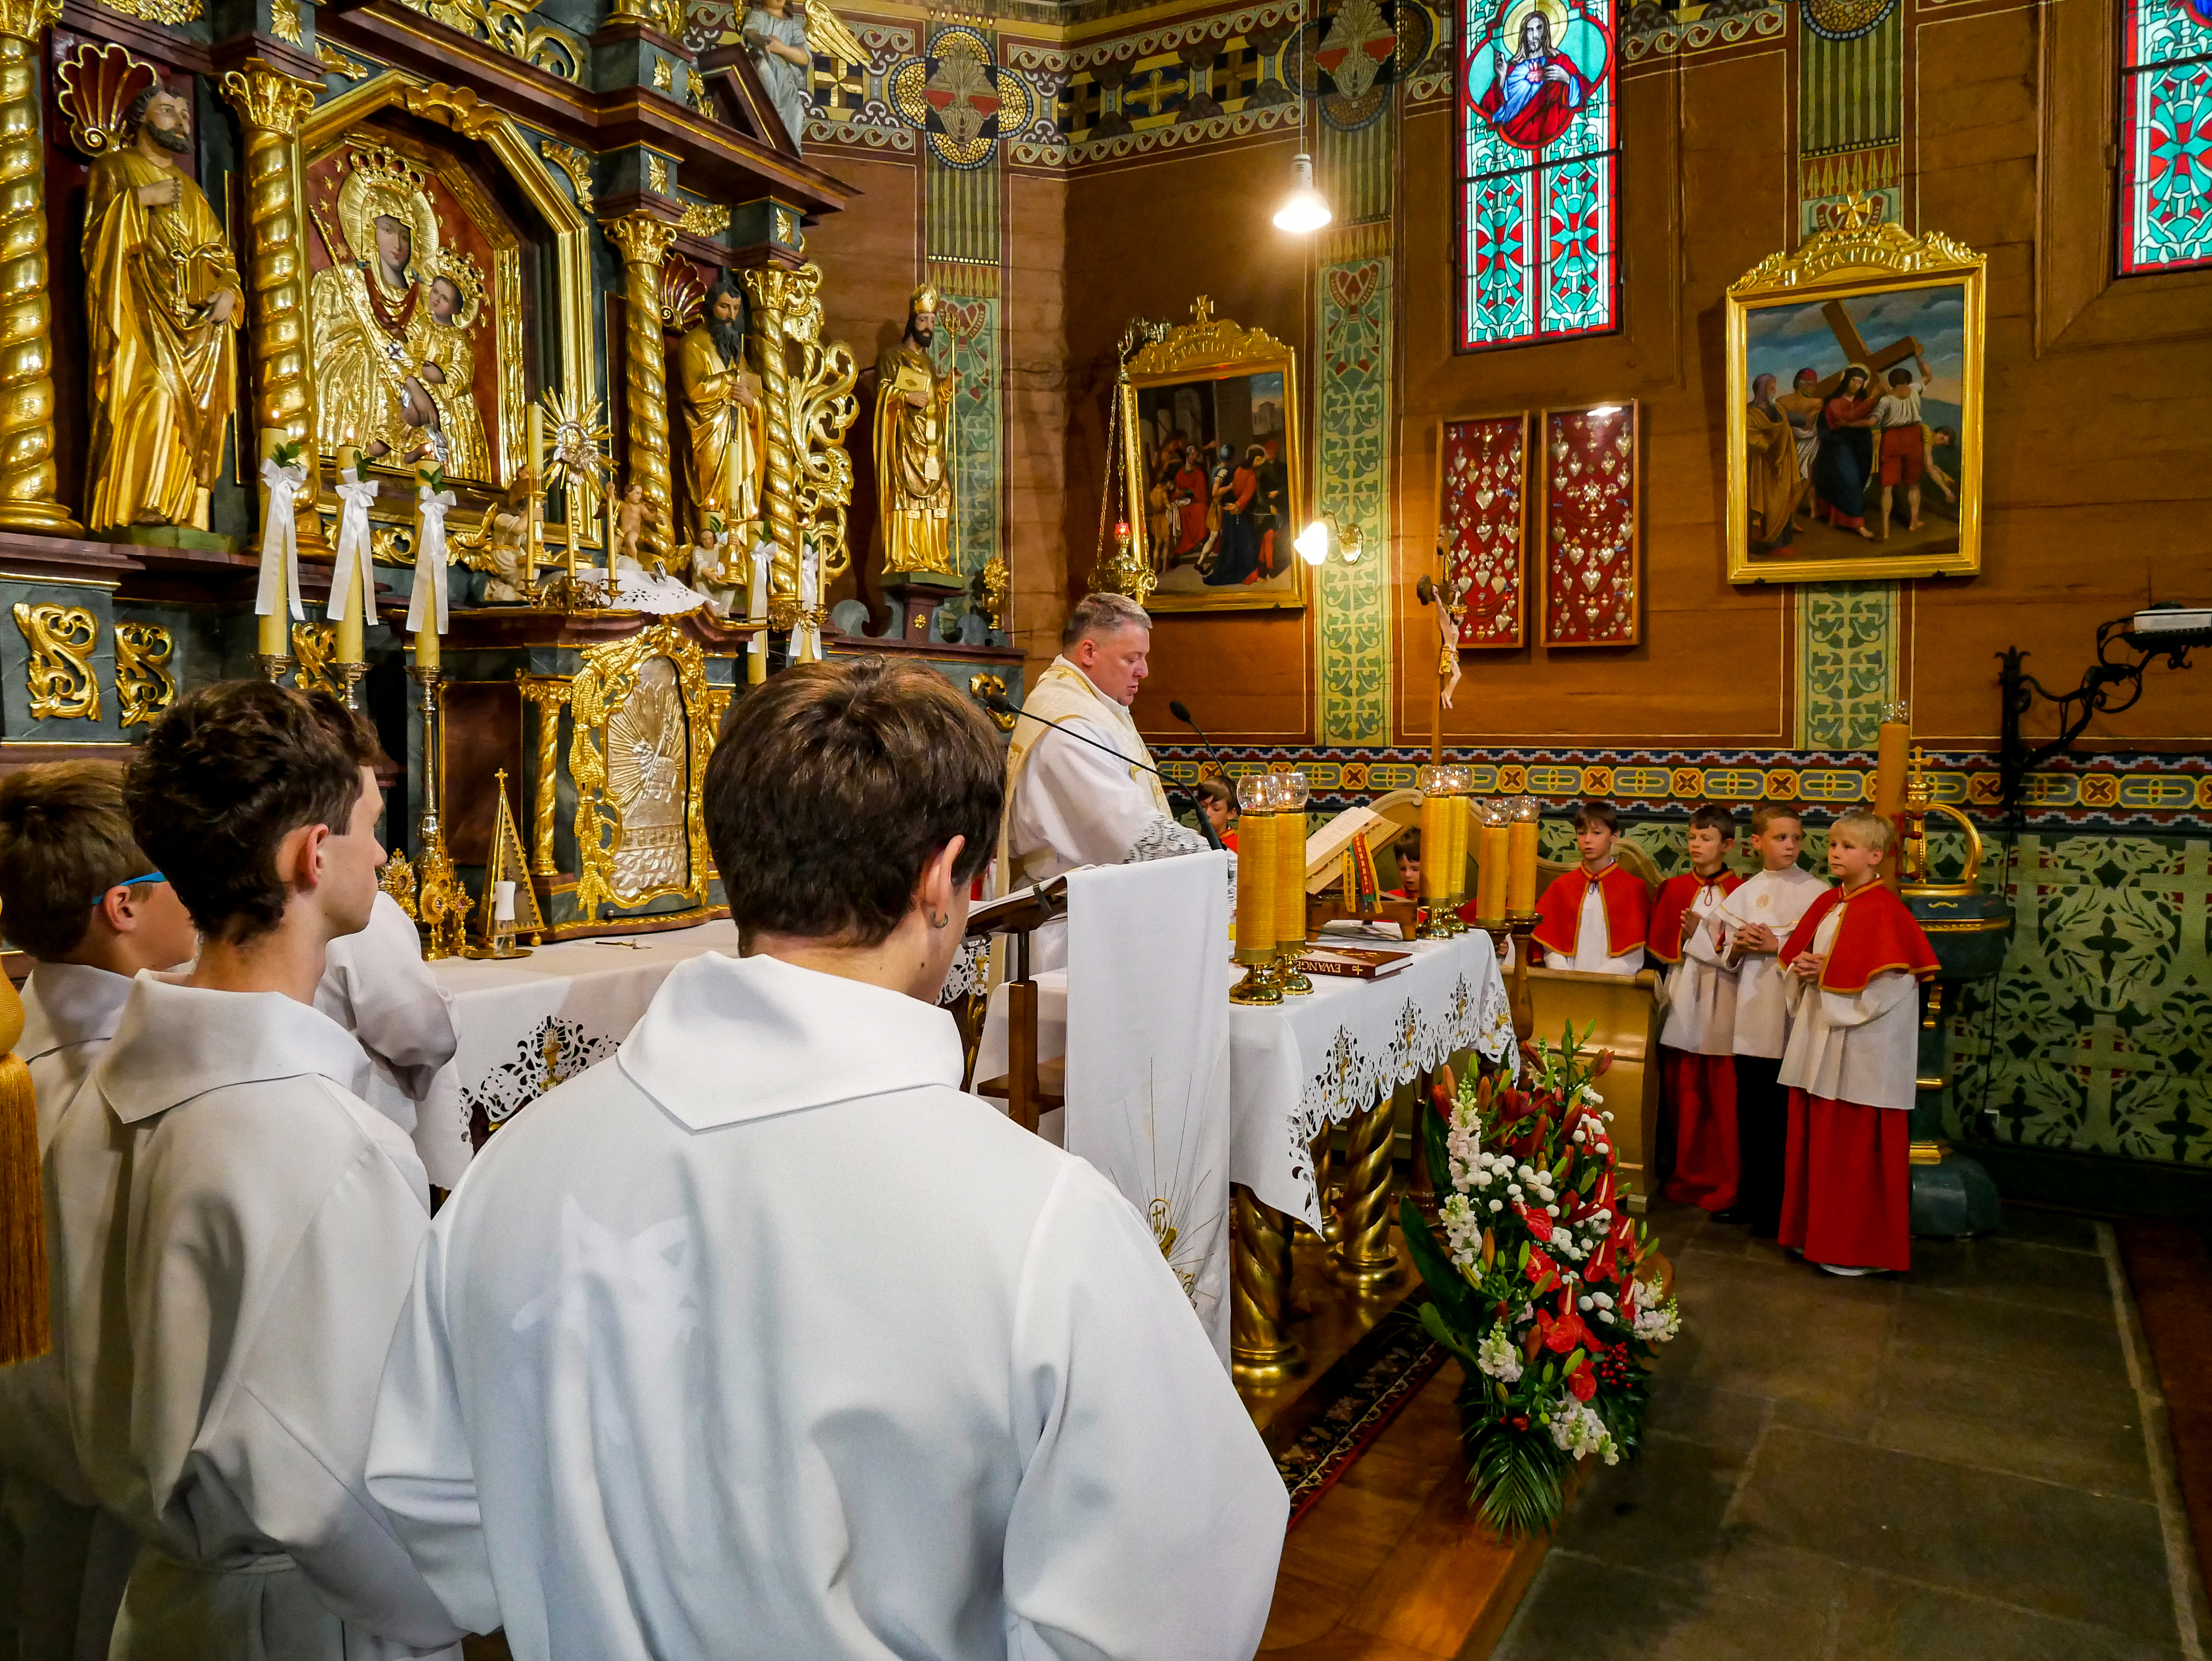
<point x="162" y="295"/>
<point x="914" y="472"/>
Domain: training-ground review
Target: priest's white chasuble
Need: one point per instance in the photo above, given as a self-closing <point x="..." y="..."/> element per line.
<point x="762" y="1336"/>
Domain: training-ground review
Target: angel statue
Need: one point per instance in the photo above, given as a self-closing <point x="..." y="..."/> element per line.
<point x="782" y="37"/>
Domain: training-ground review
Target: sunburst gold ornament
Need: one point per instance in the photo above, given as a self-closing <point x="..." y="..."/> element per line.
<point x="575" y="454"/>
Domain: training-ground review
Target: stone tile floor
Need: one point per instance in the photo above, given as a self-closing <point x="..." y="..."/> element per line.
<point x="1949" y="1465"/>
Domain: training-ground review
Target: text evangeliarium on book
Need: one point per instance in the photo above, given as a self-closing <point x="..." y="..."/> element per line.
<point x="1354" y="961"/>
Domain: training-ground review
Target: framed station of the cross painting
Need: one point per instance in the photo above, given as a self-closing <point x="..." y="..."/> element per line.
<point x="1854" y="437"/>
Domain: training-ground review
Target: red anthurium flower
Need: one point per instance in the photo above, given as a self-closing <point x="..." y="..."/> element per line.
<point x="1540" y="1264"/>
<point x="1564" y="1334"/>
<point x="1539" y="1223"/>
<point x="1583" y="1384"/>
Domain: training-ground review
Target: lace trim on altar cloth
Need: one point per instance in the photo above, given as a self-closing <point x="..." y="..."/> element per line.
<point x="1163" y="839"/>
<point x="970" y="974"/>
<point x="1355" y="1074"/>
<point x="553" y="1052"/>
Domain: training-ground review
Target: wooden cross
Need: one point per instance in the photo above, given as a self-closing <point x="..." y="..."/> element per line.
<point x="1856" y="351"/>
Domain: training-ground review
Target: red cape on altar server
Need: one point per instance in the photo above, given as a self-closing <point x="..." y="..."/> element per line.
<point x="1627" y="911"/>
<point x="1877" y="934"/>
<point x="1676" y="896"/>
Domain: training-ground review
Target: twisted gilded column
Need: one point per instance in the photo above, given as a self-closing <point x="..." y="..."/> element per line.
<point x="645" y="242"/>
<point x="1261" y="1347"/>
<point x="27" y="355"/>
<point x="769" y="292"/>
<point x="270" y="106"/>
<point x="548" y="697"/>
<point x="1365" y="1256"/>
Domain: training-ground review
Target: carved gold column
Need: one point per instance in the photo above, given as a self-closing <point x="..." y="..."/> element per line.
<point x="769" y="292"/>
<point x="549" y="699"/>
<point x="272" y="105"/>
<point x="1261" y="1347"/>
<point x="645" y="242"/>
<point x="1365" y="1256"/>
<point x="27" y="357"/>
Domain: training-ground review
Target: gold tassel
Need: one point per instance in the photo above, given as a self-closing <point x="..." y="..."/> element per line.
<point x="23" y="1332"/>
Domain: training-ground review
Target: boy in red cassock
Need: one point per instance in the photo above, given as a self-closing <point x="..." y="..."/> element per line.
<point x="1855" y="960"/>
<point x="1697" y="1043"/>
<point x="1595" y="918"/>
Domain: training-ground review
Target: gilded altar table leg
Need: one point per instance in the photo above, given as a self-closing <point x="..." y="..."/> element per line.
<point x="1365" y="1256"/>
<point x="270" y="106"/>
<point x="27" y="366"/>
<point x="645" y="242"/>
<point x="1261" y="1347"/>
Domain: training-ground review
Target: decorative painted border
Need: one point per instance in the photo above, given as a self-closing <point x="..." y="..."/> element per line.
<point x="2110" y="791"/>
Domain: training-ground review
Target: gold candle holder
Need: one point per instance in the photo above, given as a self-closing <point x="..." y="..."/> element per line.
<point x="1257" y="889"/>
<point x="441" y="905"/>
<point x="1291" y="793"/>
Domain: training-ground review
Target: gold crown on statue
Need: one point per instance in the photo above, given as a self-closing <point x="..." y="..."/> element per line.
<point x="457" y="268"/>
<point x="381" y="184"/>
<point x="925" y="299"/>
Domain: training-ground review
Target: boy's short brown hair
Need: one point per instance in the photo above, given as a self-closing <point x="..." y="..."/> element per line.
<point x="1711" y="816"/>
<point x="1408" y="844"/>
<point x="1214" y="789"/>
<point x="832" y="785"/>
<point x="224" y="778"/>
<point x="1868" y="829"/>
<point x="64" y="841"/>
<point x="1596" y="815"/>
<point x="1767" y="811"/>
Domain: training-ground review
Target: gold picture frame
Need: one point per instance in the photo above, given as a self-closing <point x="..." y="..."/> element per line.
<point x="1228" y="372"/>
<point x="639" y="806"/>
<point x="1809" y="311"/>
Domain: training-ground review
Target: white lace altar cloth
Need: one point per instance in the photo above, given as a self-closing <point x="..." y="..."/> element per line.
<point x="1316" y="1061"/>
<point x="528" y="1024"/>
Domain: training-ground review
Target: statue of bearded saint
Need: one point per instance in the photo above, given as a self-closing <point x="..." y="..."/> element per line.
<point x="395" y="372"/>
<point x="721" y="455"/>
<point x="913" y="475"/>
<point x="162" y="296"/>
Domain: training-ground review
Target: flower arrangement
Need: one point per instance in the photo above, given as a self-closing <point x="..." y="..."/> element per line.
<point x="1548" y="1292"/>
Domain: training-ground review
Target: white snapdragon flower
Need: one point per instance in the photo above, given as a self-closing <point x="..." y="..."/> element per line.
<point x="1498" y="1356"/>
<point x="1657" y="1326"/>
<point x="1576" y="1428"/>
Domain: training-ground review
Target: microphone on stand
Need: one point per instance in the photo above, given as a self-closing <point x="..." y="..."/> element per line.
<point x="1000" y="703"/>
<point x="1181" y="711"/>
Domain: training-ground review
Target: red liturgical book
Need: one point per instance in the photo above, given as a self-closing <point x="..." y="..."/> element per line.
<point x="1356" y="963"/>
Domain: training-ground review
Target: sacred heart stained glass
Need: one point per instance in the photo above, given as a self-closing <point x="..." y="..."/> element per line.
<point x="2166" y="134"/>
<point x="1538" y="244"/>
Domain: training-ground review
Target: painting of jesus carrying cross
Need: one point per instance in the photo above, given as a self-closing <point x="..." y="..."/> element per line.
<point x="1854" y="430"/>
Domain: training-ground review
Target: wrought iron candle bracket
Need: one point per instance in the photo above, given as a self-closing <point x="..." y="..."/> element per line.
<point x="2110" y="685"/>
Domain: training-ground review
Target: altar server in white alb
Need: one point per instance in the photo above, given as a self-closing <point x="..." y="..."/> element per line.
<point x="761" y="1336"/>
<point x="1697" y="1044"/>
<point x="233" y="1228"/>
<point x="81" y="899"/>
<point x="1758" y="917"/>
<point x="1072" y="802"/>
<point x="376" y="986"/>
<point x="1856" y="958"/>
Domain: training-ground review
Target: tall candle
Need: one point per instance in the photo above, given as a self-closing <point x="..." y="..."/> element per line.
<point x="536" y="428"/>
<point x="1255" y="886"/>
<point x="1455" y="873"/>
<point x="1289" y="878"/>
<point x="274" y="635"/>
<point x="1490" y="867"/>
<point x="350" y="649"/>
<point x="1521" y="865"/>
<point x="426" y="638"/>
<point x="1434" y="850"/>
<point x="1891" y="745"/>
<point x="502" y="901"/>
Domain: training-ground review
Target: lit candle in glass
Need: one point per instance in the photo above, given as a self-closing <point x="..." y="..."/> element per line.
<point x="1491" y="860"/>
<point x="1521" y="858"/>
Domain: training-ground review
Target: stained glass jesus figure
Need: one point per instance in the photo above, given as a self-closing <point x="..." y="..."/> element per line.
<point x="1533" y="100"/>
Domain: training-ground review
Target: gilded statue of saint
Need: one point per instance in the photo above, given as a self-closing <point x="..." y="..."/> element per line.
<point x="914" y="472"/>
<point x="395" y="370"/>
<point x="163" y="298"/>
<point x="721" y="452"/>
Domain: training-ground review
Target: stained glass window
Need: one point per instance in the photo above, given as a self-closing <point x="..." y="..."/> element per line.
<point x="2166" y="134"/>
<point x="1538" y="239"/>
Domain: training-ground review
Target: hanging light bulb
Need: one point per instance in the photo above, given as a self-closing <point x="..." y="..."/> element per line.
<point x="1305" y="210"/>
<point x="1312" y="543"/>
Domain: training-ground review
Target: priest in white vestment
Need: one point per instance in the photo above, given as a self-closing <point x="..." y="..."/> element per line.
<point x="763" y="1337"/>
<point x="232" y="1229"/>
<point x="1070" y="802"/>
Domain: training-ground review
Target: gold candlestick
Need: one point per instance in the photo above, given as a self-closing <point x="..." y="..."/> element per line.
<point x="1436" y="840"/>
<point x="1289" y="792"/>
<point x="274" y="632"/>
<point x="1521" y="859"/>
<point x="1256" y="894"/>
<point x="1491" y="860"/>
<point x="441" y="905"/>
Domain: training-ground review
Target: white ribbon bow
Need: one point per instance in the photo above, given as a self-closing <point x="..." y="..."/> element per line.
<point x="428" y="600"/>
<point x="756" y="598"/>
<point x="806" y="634"/>
<point x="354" y="571"/>
<point x="280" y="539"/>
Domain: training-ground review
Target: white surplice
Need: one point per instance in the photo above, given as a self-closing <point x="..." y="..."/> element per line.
<point x="1070" y="803"/>
<point x="1701" y="989"/>
<point x="1592" y="936"/>
<point x="376" y="986"/>
<point x="1858" y="1047"/>
<point x="1147" y="1053"/>
<point x="1778" y="899"/>
<point x="233" y="1232"/>
<point x="63" y="1560"/>
<point x="763" y="1338"/>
